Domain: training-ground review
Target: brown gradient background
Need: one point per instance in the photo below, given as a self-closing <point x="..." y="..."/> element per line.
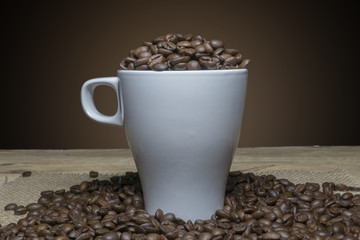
<point x="303" y="79"/>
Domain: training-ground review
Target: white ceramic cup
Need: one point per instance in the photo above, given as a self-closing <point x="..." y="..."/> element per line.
<point x="183" y="128"/>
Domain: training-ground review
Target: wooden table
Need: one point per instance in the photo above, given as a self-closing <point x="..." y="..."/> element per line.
<point x="14" y="162"/>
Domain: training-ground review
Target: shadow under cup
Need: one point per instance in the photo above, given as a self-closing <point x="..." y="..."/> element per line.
<point x="183" y="128"/>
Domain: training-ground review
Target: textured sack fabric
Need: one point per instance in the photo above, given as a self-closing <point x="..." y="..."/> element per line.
<point x="25" y="190"/>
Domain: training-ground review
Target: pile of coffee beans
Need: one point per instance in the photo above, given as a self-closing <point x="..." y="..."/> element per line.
<point x="176" y="51"/>
<point x="256" y="207"/>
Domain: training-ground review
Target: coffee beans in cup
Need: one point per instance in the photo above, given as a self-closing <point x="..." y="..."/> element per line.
<point x="175" y="51"/>
<point x="255" y="207"/>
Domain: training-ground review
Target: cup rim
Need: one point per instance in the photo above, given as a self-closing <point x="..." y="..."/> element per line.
<point x="218" y="71"/>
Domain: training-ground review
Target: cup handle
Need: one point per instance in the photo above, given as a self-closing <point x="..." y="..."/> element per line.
<point x="87" y="100"/>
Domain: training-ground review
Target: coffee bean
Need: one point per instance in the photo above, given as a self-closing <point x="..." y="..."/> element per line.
<point x="142" y="67"/>
<point x="111" y="236"/>
<point x="208" y="48"/>
<point x="200" y="48"/>
<point x="244" y="63"/>
<point x="231" y="51"/>
<point x="169" y="46"/>
<point x="224" y="56"/>
<point x="185" y="44"/>
<point x="139" y="50"/>
<point x="238" y="58"/>
<point x="159" y="67"/>
<point x="144" y="55"/>
<point x="230" y="61"/>
<point x="219" y="51"/>
<point x="271" y="235"/>
<point x="188" y="52"/>
<point x="347" y="196"/>
<point x="207" y="62"/>
<point x="181" y="59"/>
<point x="93" y="174"/>
<point x="131" y="66"/>
<point x="147" y="43"/>
<point x="83" y="186"/>
<point x="180" y="66"/>
<point x="61" y="238"/>
<point x="141" y="61"/>
<point x="215" y="43"/>
<point x="10" y="206"/>
<point x="193" y="65"/>
<point x="154" y="49"/>
<point x="172" y="56"/>
<point x="165" y="52"/>
<point x="306" y="198"/>
<point x="33" y="206"/>
<point x="20" y="210"/>
<point x="155" y="59"/>
<point x="152" y="236"/>
<point x="26" y="174"/>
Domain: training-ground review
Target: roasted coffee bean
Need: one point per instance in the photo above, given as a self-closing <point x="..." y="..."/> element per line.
<point x="271" y="235"/>
<point x="182" y="59"/>
<point x="215" y="43"/>
<point x="224" y="56"/>
<point x="111" y="236"/>
<point x="208" y="48"/>
<point x="33" y="206"/>
<point x="144" y="55"/>
<point x="61" y="238"/>
<point x="139" y="50"/>
<point x="193" y="65"/>
<point x="20" y="210"/>
<point x="142" y="67"/>
<point x="171" y="37"/>
<point x="131" y="66"/>
<point x="172" y="56"/>
<point x="155" y="59"/>
<point x="93" y="174"/>
<point x="165" y="52"/>
<point x="219" y="51"/>
<point x="147" y="43"/>
<point x="141" y="61"/>
<point x="154" y="49"/>
<point x="83" y="186"/>
<point x="152" y="236"/>
<point x="10" y="206"/>
<point x="122" y="65"/>
<point x="26" y="174"/>
<point x="244" y="63"/>
<point x="179" y="66"/>
<point x="185" y="44"/>
<point x="169" y="46"/>
<point x="200" y="48"/>
<point x="231" y="51"/>
<point x="230" y="61"/>
<point x="160" y="67"/>
<point x="207" y="62"/>
<point x="188" y="52"/>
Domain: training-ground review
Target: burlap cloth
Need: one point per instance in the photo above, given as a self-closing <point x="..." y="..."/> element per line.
<point x="25" y="190"/>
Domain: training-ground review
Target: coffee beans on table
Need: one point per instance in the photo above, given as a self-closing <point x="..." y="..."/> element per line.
<point x="255" y="207"/>
<point x="176" y="51"/>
